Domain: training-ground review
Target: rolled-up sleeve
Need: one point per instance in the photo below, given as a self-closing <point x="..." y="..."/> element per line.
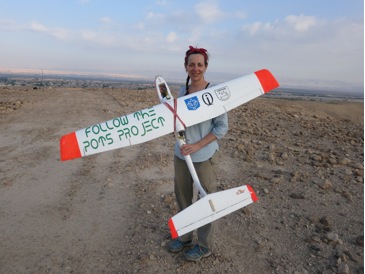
<point x="220" y="125"/>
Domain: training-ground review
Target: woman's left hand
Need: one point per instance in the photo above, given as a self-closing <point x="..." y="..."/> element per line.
<point x="188" y="149"/>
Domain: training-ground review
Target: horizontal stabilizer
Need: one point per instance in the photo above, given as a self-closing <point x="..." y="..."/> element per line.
<point x="210" y="208"/>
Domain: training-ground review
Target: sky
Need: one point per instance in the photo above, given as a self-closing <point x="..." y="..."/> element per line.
<point x="304" y="43"/>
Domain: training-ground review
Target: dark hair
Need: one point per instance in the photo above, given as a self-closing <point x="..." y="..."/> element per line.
<point x="191" y="51"/>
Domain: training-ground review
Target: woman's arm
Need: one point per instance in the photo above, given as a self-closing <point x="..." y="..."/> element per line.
<point x="188" y="149"/>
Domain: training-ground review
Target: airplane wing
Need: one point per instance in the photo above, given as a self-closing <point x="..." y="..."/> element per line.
<point x="145" y="125"/>
<point x="123" y="131"/>
<point x="212" y="102"/>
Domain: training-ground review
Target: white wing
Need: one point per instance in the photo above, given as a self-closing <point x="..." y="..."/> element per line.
<point x="156" y="121"/>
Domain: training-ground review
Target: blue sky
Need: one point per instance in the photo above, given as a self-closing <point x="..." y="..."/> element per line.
<point x="306" y="43"/>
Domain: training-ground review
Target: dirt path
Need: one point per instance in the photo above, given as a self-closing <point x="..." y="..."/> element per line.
<point x="56" y="215"/>
<point x="108" y="213"/>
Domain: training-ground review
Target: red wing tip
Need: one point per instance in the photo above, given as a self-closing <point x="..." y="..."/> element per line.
<point x="267" y="80"/>
<point x="173" y="231"/>
<point x="252" y="192"/>
<point x="69" y="147"/>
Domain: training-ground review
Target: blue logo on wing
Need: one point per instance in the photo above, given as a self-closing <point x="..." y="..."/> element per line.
<point x="192" y="103"/>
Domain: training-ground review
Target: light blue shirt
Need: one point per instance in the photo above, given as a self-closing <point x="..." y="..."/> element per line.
<point x="193" y="134"/>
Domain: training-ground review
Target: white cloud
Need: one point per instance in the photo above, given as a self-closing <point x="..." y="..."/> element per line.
<point x="59" y="33"/>
<point x="303" y="47"/>
<point x="162" y="2"/>
<point x="240" y="15"/>
<point x="257" y="27"/>
<point x="195" y="35"/>
<point x="89" y="35"/>
<point x="151" y="16"/>
<point x="172" y="37"/>
<point x="35" y="26"/>
<point x="100" y="38"/>
<point x="293" y="46"/>
<point x="209" y="11"/>
<point x="290" y="29"/>
<point x="105" y="20"/>
<point x="301" y="23"/>
<point x="8" y="24"/>
<point x="139" y="26"/>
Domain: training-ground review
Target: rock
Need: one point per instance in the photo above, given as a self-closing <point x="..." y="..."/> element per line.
<point x="295" y="174"/>
<point x="17" y="104"/>
<point x="168" y="200"/>
<point x="358" y="166"/>
<point x="297" y="196"/>
<point x="348" y="171"/>
<point x="235" y="154"/>
<point x="272" y="147"/>
<point x="142" y="257"/>
<point x="347" y="196"/>
<point x="360" y="240"/>
<point x="344" y="161"/>
<point x="240" y="147"/>
<point x="303" y="271"/>
<point x="326" y="221"/>
<point x="343" y="269"/>
<point x="325" y="185"/>
<point x="280" y="163"/>
<point x="316" y="157"/>
<point x="263" y="176"/>
<point x="332" y="237"/>
<point x="316" y="239"/>
<point x="332" y="161"/>
<point x="271" y="157"/>
<point x="284" y="155"/>
<point x="353" y="256"/>
<point x="358" y="172"/>
<point x="275" y="180"/>
<point x="250" y="151"/>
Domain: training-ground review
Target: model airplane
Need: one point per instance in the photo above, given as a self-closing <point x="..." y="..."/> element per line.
<point x="174" y="115"/>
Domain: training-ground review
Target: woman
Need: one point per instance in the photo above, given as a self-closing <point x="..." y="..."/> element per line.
<point x="201" y="145"/>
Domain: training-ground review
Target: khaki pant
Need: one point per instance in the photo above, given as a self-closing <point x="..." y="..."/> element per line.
<point x="184" y="194"/>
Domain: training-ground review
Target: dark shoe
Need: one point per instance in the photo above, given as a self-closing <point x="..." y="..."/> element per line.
<point x="197" y="253"/>
<point x="177" y="245"/>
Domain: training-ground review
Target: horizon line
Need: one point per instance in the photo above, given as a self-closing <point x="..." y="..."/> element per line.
<point x="68" y="72"/>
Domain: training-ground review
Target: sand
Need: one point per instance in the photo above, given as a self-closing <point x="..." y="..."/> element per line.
<point x="108" y="213"/>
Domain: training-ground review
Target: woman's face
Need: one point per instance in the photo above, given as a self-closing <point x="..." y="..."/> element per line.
<point x="196" y="67"/>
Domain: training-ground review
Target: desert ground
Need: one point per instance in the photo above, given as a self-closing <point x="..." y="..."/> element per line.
<point x="108" y="213"/>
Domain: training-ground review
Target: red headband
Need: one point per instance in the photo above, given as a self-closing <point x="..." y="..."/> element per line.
<point x="193" y="50"/>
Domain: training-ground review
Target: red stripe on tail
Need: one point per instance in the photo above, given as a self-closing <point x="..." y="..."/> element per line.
<point x="69" y="147"/>
<point x="173" y="229"/>
<point x="253" y="194"/>
<point x="267" y="80"/>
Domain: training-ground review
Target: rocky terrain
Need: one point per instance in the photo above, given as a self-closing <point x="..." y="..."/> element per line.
<point x="108" y="213"/>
